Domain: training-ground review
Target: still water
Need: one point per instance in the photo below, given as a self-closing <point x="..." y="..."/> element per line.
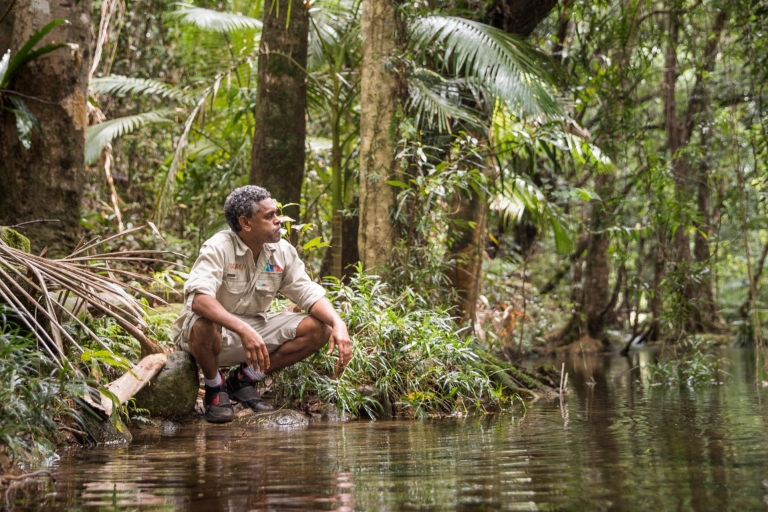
<point x="616" y="445"/>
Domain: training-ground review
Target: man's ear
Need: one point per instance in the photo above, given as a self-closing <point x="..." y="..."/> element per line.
<point x="245" y="223"/>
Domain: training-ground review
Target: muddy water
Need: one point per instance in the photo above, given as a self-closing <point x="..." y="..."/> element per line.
<point x="615" y="445"/>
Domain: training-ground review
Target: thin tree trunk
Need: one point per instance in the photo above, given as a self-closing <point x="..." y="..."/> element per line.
<point x="467" y="249"/>
<point x="278" y="152"/>
<point x="380" y="98"/>
<point x="678" y="136"/>
<point x="47" y="180"/>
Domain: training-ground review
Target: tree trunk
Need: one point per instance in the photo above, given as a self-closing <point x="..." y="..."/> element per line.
<point x="47" y="180"/>
<point x="466" y="268"/>
<point x="278" y="152"/>
<point x="381" y="98"/>
<point x="701" y="298"/>
<point x="7" y="10"/>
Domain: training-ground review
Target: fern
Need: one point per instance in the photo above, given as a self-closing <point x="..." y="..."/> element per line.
<point x="97" y="137"/>
<point x="118" y="85"/>
<point x="216" y="21"/>
<point x="504" y="63"/>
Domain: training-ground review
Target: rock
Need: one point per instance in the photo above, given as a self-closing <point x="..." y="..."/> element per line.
<point x="172" y="393"/>
<point x="168" y="427"/>
<point x="331" y="413"/>
<point x="283" y="418"/>
<point x="102" y="431"/>
<point x="15" y="239"/>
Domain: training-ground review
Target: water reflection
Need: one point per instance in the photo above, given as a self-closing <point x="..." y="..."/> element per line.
<point x="615" y="443"/>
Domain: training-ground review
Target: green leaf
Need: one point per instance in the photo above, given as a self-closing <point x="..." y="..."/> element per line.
<point x="397" y="183"/>
<point x="119" y="85"/>
<point x="98" y="136"/>
<point x="216" y="21"/>
<point x="25" y="53"/>
<point x="502" y="63"/>
<point x="26" y="122"/>
<point x="315" y="243"/>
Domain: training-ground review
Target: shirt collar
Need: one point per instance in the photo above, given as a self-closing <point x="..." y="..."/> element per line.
<point x="241" y="249"/>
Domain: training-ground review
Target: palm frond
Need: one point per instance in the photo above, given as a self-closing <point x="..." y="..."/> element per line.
<point x="432" y="98"/>
<point x="216" y="21"/>
<point x="98" y="136"/>
<point x="520" y="196"/>
<point x="45" y="294"/>
<point x="118" y="85"/>
<point x="505" y="63"/>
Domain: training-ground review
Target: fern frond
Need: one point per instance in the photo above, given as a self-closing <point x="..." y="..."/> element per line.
<point x="98" y="136"/>
<point x="505" y="63"/>
<point x="216" y="21"/>
<point x="118" y="85"/>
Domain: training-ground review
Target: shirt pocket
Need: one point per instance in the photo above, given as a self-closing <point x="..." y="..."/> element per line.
<point x="235" y="287"/>
<point x="268" y="283"/>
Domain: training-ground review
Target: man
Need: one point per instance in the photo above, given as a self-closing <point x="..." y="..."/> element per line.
<point x="225" y="322"/>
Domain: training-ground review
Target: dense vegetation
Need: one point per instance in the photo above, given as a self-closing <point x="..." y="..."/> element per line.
<point x="554" y="179"/>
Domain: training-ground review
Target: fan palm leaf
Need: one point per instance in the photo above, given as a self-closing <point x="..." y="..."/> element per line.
<point x="504" y="63"/>
<point x="216" y="21"/>
<point x="98" y="136"/>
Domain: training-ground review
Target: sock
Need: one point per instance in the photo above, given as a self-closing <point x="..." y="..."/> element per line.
<point x="253" y="374"/>
<point x="213" y="383"/>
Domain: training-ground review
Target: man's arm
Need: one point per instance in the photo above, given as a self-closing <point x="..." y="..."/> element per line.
<point x="323" y="311"/>
<point x="255" y="348"/>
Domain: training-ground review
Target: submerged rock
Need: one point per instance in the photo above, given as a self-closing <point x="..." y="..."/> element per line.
<point x="283" y="418"/>
<point x="172" y="393"/>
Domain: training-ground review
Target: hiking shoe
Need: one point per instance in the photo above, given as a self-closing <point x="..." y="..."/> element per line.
<point x="218" y="409"/>
<point x="241" y="389"/>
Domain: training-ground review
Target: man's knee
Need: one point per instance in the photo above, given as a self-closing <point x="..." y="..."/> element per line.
<point x="317" y="332"/>
<point x="205" y="333"/>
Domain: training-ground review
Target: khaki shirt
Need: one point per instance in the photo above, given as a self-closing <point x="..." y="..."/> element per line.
<point x="225" y="269"/>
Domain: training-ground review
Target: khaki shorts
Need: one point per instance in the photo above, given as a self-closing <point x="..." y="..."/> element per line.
<point x="275" y="330"/>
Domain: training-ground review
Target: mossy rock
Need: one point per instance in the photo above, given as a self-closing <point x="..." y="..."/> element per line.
<point x="15" y="239"/>
<point x="102" y="431"/>
<point x="172" y="392"/>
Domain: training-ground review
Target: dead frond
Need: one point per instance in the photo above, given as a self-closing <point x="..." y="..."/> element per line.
<point x="46" y="294"/>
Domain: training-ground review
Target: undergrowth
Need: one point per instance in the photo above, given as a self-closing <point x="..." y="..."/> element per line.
<point x="690" y="365"/>
<point x="33" y="397"/>
<point x="405" y="352"/>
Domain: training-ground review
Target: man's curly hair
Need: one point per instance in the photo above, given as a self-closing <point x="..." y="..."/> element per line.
<point x="243" y="201"/>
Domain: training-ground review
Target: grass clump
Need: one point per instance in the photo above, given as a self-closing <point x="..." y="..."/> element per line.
<point x="406" y="354"/>
<point x="691" y="365"/>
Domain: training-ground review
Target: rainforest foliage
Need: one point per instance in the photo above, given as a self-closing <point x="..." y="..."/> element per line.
<point x="537" y="176"/>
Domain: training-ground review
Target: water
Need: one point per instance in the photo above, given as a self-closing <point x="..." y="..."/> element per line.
<point x="617" y="445"/>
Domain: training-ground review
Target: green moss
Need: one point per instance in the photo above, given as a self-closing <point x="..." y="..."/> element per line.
<point x="15" y="239"/>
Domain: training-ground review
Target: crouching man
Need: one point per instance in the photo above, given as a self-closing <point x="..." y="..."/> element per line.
<point x="230" y="288"/>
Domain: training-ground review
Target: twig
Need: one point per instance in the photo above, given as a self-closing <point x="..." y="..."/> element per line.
<point x="13" y="478"/>
<point x="33" y="98"/>
<point x="7" y="11"/>
<point x="38" y="221"/>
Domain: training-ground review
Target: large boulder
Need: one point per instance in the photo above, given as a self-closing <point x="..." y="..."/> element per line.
<point x="172" y="392"/>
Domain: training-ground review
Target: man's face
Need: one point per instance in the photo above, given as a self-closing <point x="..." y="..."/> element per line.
<point x="264" y="226"/>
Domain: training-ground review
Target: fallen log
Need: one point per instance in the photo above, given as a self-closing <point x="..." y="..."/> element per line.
<point x="130" y="383"/>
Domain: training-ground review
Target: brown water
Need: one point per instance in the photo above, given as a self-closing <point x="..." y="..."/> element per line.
<point x="617" y="445"/>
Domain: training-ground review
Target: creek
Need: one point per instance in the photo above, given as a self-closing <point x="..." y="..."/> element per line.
<point x="615" y="443"/>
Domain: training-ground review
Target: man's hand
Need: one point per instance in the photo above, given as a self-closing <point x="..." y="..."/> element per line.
<point x="256" y="352"/>
<point x="340" y="340"/>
